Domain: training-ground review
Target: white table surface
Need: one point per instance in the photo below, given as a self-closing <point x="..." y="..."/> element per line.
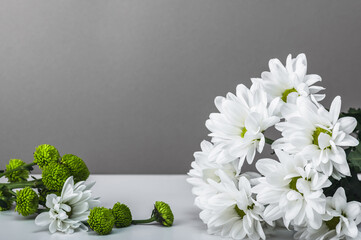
<point x="139" y="192"/>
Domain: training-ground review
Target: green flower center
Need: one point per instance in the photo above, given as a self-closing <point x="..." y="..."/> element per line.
<point x="285" y="93"/>
<point x="317" y="133"/>
<point x="70" y="213"/>
<point x="331" y="224"/>
<point x="240" y="212"/>
<point x="244" y="130"/>
<point x="250" y="207"/>
<point x="293" y="183"/>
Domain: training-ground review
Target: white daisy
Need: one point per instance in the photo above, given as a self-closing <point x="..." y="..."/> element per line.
<point x="292" y="189"/>
<point x="339" y="222"/>
<point x="233" y="212"/>
<point x="68" y="211"/>
<point x="290" y="81"/>
<point x="319" y="135"/>
<point x="204" y="167"/>
<point x="241" y="122"/>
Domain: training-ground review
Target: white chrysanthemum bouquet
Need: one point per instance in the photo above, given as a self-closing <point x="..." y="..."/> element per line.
<point x="311" y="187"/>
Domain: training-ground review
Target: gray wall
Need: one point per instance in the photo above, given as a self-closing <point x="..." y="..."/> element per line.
<point x="127" y="85"/>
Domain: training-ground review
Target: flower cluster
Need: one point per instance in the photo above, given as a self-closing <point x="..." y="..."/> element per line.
<point x="62" y="199"/>
<point x="317" y="154"/>
<point x="102" y="220"/>
<point x="62" y="203"/>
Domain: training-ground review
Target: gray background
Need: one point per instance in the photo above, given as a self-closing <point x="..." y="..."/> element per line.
<point x="128" y="85"/>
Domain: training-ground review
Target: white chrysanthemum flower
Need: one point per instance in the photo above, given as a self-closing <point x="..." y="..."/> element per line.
<point x="241" y="122"/>
<point x="232" y="212"/>
<point x="292" y="189"/>
<point x="291" y="81"/>
<point x="68" y="211"/>
<point x="205" y="167"/>
<point x="319" y="135"/>
<point x="339" y="222"/>
<point x="252" y="177"/>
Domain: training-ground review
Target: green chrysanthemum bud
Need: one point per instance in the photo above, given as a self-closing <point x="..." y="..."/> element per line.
<point x="77" y="167"/>
<point x="101" y="220"/>
<point x="55" y="175"/>
<point x="163" y="214"/>
<point x="26" y="201"/>
<point x="122" y="215"/>
<point x="6" y="200"/>
<point x="45" y="154"/>
<point x="16" y="176"/>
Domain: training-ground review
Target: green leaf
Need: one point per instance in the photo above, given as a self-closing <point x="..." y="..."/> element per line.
<point x="3" y="204"/>
<point x="354" y="157"/>
<point x="351" y="185"/>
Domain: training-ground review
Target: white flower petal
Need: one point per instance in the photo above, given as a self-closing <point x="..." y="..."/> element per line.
<point x="324" y="140"/>
<point x="335" y="109"/>
<point x="52" y="226"/>
<point x="353" y="209"/>
<point x="43" y="219"/>
<point x="347" y="124"/>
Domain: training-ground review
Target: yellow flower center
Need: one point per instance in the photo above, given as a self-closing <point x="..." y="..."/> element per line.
<point x="244" y="130"/>
<point x="285" y="93"/>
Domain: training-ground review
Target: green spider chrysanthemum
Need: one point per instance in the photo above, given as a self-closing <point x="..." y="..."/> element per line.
<point x="122" y="215"/>
<point x="26" y="201"/>
<point x="101" y="220"/>
<point x="77" y="167"/>
<point x="163" y="214"/>
<point x="55" y="175"/>
<point x="45" y="154"/>
<point x="17" y="176"/>
<point x="6" y="198"/>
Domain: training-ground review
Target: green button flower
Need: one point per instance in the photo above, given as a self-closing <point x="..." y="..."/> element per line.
<point x="77" y="167"/>
<point x="55" y="175"/>
<point x="19" y="175"/>
<point x="101" y="220"/>
<point x="122" y="215"/>
<point x="45" y="154"/>
<point x="163" y="214"/>
<point x="27" y="201"/>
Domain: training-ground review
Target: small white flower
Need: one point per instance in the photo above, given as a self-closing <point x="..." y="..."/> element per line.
<point x="289" y="82"/>
<point x="68" y="211"/>
<point x="292" y="189"/>
<point x="239" y="126"/>
<point x="205" y="167"/>
<point x="232" y="212"/>
<point x="339" y="222"/>
<point x="319" y="135"/>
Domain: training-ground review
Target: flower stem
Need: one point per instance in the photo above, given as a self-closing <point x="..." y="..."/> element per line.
<point x="269" y="141"/>
<point x="12" y="193"/>
<point x="152" y="219"/>
<point x="26" y="166"/>
<point x="33" y="184"/>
